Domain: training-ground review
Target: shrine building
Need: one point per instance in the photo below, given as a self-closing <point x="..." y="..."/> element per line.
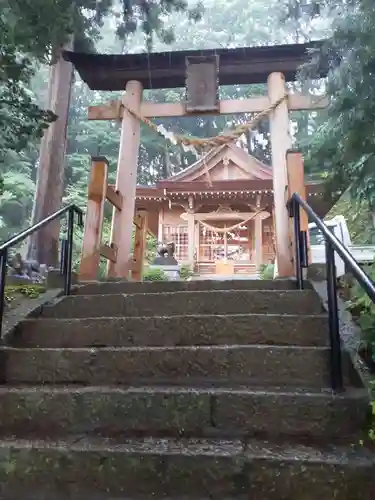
<point x="219" y="212"/>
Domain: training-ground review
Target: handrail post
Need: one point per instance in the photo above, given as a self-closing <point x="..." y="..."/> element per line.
<point x="334" y="327"/>
<point x="63" y="260"/>
<point x="304" y="249"/>
<point x="3" y="273"/>
<point x="297" y="242"/>
<point x="69" y="253"/>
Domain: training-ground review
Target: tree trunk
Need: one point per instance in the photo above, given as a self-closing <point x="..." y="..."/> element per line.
<point x="248" y="142"/>
<point x="373" y="215"/>
<point x="44" y="244"/>
<point x="166" y="164"/>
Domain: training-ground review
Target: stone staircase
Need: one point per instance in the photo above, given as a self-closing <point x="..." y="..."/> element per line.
<point x="180" y="390"/>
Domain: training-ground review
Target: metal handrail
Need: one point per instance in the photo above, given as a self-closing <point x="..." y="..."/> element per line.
<point x="333" y="244"/>
<point x="71" y="210"/>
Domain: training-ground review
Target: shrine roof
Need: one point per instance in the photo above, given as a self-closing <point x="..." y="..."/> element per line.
<point x="230" y="189"/>
<point x="164" y="189"/>
<point x="160" y="70"/>
<point x="239" y="158"/>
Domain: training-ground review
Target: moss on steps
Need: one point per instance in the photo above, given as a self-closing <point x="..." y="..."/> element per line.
<point x="15" y="294"/>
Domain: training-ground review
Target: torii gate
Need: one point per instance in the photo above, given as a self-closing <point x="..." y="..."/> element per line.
<point x="201" y="72"/>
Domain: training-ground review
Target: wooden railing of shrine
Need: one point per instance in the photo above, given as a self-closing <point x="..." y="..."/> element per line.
<point x="100" y="192"/>
<point x="296" y="184"/>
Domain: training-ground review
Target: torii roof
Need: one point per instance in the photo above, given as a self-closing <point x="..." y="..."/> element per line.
<point x="238" y="66"/>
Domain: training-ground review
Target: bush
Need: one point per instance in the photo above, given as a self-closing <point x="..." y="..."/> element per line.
<point x="154" y="275"/>
<point x="372" y="425"/>
<point x="185" y="272"/>
<point x="266" y="271"/>
<point x="363" y="311"/>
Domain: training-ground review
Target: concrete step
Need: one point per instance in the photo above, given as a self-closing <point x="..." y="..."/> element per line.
<point x="309" y="330"/>
<point x="178" y="303"/>
<point x="113" y="287"/>
<point x="148" y="468"/>
<point x="104" y="496"/>
<point x="55" y="412"/>
<point x="251" y="365"/>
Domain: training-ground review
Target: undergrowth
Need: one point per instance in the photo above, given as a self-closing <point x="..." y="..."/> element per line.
<point x="266" y="271"/>
<point x="186" y="272"/>
<point x="155" y="274"/>
<point x="371" y="432"/>
<point x="30" y="291"/>
<point x="158" y="274"/>
<point x="362" y="309"/>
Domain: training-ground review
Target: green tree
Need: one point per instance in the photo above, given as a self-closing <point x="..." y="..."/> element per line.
<point x="251" y="23"/>
<point x="345" y="142"/>
<point x="52" y="26"/>
<point x="21" y="119"/>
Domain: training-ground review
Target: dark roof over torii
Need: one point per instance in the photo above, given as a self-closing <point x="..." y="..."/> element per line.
<point x="167" y="69"/>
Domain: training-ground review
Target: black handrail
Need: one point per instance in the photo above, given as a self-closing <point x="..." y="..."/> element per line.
<point x="71" y="210"/>
<point x="333" y="244"/>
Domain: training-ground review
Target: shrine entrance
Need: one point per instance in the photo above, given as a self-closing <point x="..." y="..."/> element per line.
<point x="225" y="241"/>
<point x="201" y="73"/>
<point x="228" y="252"/>
<point x="231" y="245"/>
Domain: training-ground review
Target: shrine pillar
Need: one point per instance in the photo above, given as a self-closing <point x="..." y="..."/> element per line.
<point x="126" y="183"/>
<point x="161" y="225"/>
<point x="281" y="142"/>
<point x="191" y="231"/>
<point x="197" y="242"/>
<point x="258" y="242"/>
<point x="225" y="242"/>
<point x="191" y="238"/>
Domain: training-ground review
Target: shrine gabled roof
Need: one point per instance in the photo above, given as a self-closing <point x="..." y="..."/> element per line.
<point x="250" y="166"/>
<point x="244" y="65"/>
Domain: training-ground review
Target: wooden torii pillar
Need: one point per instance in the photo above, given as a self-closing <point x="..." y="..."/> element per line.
<point x="126" y="183"/>
<point x="281" y="142"/>
<point x="99" y="192"/>
<point x="280" y="139"/>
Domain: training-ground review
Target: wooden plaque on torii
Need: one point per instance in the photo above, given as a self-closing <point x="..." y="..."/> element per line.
<point x="202" y="85"/>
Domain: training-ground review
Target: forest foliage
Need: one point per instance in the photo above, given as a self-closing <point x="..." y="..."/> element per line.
<point x="338" y="143"/>
<point x="345" y="142"/>
<point x="101" y="23"/>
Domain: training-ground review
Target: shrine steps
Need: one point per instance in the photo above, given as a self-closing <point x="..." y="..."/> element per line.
<point x="185" y="303"/>
<point x="302" y="367"/>
<point x="156" y="468"/>
<point x="177" y="330"/>
<point x="118" y="286"/>
<point x="199" y="390"/>
<point x="64" y="412"/>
